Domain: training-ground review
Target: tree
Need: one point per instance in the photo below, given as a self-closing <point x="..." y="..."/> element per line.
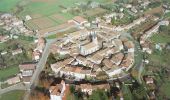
<point x="72" y="88"/>
<point x="99" y="95"/>
<point x="51" y="59"/>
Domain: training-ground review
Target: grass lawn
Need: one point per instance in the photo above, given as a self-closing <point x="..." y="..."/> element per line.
<point x="127" y="93"/>
<point x="13" y="95"/>
<point x="2" y="45"/>
<point x="160" y="38"/>
<point x="5" y="73"/>
<point x="8" y="5"/>
<point x="167" y="15"/>
<point x="165" y="88"/>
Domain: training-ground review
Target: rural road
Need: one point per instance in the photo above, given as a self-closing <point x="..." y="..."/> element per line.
<point x="19" y="86"/>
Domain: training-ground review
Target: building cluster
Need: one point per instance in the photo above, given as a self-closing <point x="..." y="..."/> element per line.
<point x="89" y="88"/>
<point x="37" y="52"/>
<point x="58" y="91"/>
<point x="105" y="25"/>
<point x="93" y="50"/>
<point x="147" y="34"/>
<point x="11" y="23"/>
<point x="26" y="71"/>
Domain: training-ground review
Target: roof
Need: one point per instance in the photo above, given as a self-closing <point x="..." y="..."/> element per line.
<point x="17" y="50"/>
<point x="26" y="78"/>
<point x="129" y="44"/>
<point x="149" y="79"/>
<point x="96" y="58"/>
<point x="81" y="58"/>
<point x="107" y="63"/>
<point x="117" y="42"/>
<point x="85" y="86"/>
<point x="27" y="66"/>
<point x="58" y="88"/>
<point x="68" y="60"/>
<point x="57" y="65"/>
<point x="89" y="45"/>
<point x="55" y="90"/>
<point x="101" y="86"/>
<point x="79" y="19"/>
<point x="117" y="58"/>
<point x="79" y="33"/>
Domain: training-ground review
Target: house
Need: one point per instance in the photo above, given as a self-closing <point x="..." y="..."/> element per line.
<point x="81" y="21"/>
<point x="129" y="45"/>
<point x="4" y="53"/>
<point x="118" y="43"/>
<point x="149" y="80"/>
<point x="17" y="51"/>
<point x="40" y="44"/>
<point x="27" y="70"/>
<point x="106" y="62"/>
<point x="89" y="88"/>
<point x="90" y="47"/>
<point x="4" y="38"/>
<point x="27" y="66"/>
<point x="96" y="58"/>
<point x="117" y="58"/>
<point x="13" y="80"/>
<point x="57" y="66"/>
<point x="114" y="71"/>
<point x="79" y="34"/>
<point x="85" y="88"/>
<point x="96" y="68"/>
<point x="75" y="71"/>
<point x="81" y="60"/>
<point x="128" y="61"/>
<point x="57" y="92"/>
<point x="36" y="55"/>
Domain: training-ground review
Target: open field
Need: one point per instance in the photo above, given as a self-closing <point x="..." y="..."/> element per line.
<point x="13" y="95"/>
<point x="57" y="11"/>
<point x="94" y="12"/>
<point x="41" y="23"/>
<point x="160" y="38"/>
<point x="8" y="5"/>
<point x="8" y="72"/>
<point x="165" y="89"/>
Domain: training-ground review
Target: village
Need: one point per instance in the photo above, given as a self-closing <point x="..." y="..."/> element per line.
<point x="107" y="52"/>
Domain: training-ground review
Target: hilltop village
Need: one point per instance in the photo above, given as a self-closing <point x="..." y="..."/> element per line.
<point x="97" y="51"/>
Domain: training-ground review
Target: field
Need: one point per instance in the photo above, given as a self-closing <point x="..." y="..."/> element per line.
<point x="94" y="12"/>
<point x="8" y="72"/>
<point x="165" y="89"/>
<point x="8" y="5"/>
<point x="160" y="38"/>
<point x="56" y="12"/>
<point x="13" y="95"/>
<point x="46" y="13"/>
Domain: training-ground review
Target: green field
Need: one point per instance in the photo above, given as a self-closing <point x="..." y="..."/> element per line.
<point x="5" y="73"/>
<point x="13" y="95"/>
<point x="8" y="5"/>
<point x="165" y="89"/>
<point x="160" y="38"/>
<point x="55" y="11"/>
<point x="2" y="45"/>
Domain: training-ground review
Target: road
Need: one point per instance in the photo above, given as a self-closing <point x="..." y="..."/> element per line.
<point x="19" y="86"/>
<point x="138" y="66"/>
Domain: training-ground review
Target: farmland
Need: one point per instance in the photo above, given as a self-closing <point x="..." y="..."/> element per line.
<point x="13" y="95"/>
<point x="47" y="13"/>
<point x="9" y="5"/>
<point x="8" y="72"/>
<point x="50" y="13"/>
